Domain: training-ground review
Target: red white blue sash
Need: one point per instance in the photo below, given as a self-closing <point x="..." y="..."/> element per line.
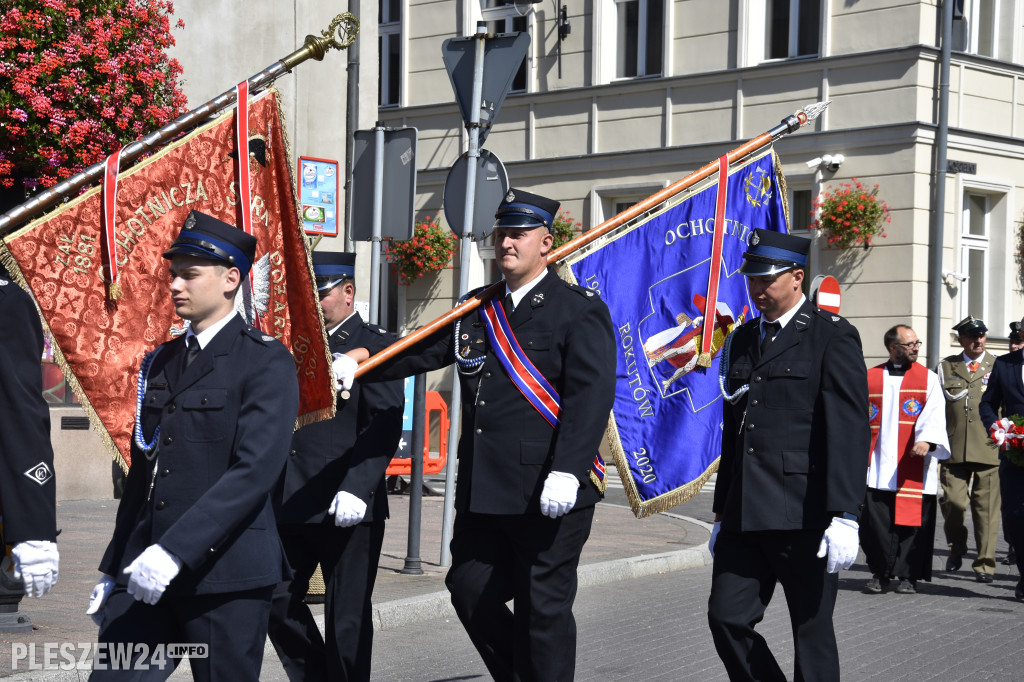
<point x="525" y="375"/>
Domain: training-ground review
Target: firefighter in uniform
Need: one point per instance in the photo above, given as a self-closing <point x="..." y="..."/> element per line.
<point x="27" y="487"/>
<point x="195" y="553"/>
<point x="791" y="478"/>
<point x="525" y="495"/>
<point x="331" y="501"/>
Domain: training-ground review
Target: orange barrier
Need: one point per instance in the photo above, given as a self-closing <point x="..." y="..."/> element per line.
<point x="402" y="466"/>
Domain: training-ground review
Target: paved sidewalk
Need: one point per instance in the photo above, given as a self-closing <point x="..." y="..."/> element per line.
<point x="620" y="546"/>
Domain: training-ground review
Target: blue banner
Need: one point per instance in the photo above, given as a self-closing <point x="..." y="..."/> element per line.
<point x="654" y="277"/>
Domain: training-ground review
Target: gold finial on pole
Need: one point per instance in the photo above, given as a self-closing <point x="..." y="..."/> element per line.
<point x="339" y="35"/>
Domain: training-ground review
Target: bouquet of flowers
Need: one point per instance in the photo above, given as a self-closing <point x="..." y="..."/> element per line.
<point x="1008" y="434"/>
<point x="850" y="214"/>
<point x="431" y="247"/>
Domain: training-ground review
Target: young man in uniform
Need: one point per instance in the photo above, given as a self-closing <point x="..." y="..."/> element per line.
<point x="195" y="554"/>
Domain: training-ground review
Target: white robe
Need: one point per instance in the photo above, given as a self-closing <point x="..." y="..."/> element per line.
<point x="930" y="427"/>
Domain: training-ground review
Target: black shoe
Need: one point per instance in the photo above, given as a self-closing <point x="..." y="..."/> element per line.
<point x="1011" y="557"/>
<point x="1019" y="592"/>
<point x="906" y="587"/>
<point x="953" y="563"/>
<point x="874" y="586"/>
<point x="983" y="577"/>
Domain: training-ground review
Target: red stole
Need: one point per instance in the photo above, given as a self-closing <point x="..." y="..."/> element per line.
<point x="909" y="469"/>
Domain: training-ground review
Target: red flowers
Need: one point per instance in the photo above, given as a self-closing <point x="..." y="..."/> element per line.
<point x="564" y="228"/>
<point x="429" y="250"/>
<point x="846" y="224"/>
<point x="76" y="78"/>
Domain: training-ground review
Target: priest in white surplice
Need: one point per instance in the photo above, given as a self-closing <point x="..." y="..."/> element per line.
<point x="908" y="438"/>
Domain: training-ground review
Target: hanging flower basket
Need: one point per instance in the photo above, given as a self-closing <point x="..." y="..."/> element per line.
<point x="850" y="215"/>
<point x="564" y="229"/>
<point x="431" y="247"/>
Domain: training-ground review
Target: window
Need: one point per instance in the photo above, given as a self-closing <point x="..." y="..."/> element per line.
<point x="389" y="46"/>
<point x="639" y="29"/>
<point x="984" y="257"/>
<point x="502" y="17"/>
<point x="985" y="27"/>
<point x="792" y="28"/>
<point x="974" y="251"/>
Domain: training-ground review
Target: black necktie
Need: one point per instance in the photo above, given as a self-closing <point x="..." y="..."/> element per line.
<point x="770" y="330"/>
<point x="193" y="350"/>
<point x="507" y="304"/>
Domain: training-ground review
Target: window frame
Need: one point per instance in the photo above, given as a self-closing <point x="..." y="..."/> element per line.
<point x="391" y="29"/>
<point x="1000" y="282"/>
<point x="752" y="27"/>
<point x="606" y="25"/>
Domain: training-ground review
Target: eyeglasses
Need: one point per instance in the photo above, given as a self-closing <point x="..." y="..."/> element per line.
<point x="911" y="344"/>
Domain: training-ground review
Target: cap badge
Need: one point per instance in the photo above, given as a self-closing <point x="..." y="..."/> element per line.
<point x="755" y="239"/>
<point x="510" y="197"/>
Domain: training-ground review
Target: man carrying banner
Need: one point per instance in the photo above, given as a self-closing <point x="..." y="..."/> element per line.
<point x="27" y="487"/>
<point x="215" y="413"/>
<point x="538" y="373"/>
<point x="970" y="475"/>
<point x="908" y="438"/>
<point x="331" y="502"/>
<point x="791" y="477"/>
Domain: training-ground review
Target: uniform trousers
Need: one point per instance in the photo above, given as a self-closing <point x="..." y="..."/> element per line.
<point x="983" y="496"/>
<point x="348" y="559"/>
<point x="1011" y="479"/>
<point x="232" y="624"/>
<point x="897" y="551"/>
<point x="746" y="568"/>
<point x="531" y="559"/>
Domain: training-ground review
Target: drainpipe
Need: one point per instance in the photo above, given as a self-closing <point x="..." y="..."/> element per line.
<point x="939" y="207"/>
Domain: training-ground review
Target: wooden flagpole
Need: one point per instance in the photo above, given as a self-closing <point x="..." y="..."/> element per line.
<point x="790" y="124"/>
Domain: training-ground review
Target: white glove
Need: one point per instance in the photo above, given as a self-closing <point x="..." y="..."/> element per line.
<point x="344" y="371"/>
<point x="559" y="494"/>
<point x="348" y="509"/>
<point x="98" y="599"/>
<point x="35" y="564"/>
<point x="840" y="542"/>
<point x="714" y="537"/>
<point x="151" y="573"/>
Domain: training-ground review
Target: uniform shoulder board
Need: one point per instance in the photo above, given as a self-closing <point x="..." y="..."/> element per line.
<point x="375" y="329"/>
<point x="830" y="316"/>
<point x="257" y="335"/>
<point x="583" y="291"/>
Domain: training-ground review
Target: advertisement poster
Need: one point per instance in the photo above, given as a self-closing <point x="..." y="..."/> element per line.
<point x="318" y="195"/>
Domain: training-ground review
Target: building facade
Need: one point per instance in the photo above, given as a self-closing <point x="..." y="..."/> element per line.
<point x="637" y="93"/>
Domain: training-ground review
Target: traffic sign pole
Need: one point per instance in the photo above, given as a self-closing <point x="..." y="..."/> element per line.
<point x="467" y="252"/>
<point x="378" y="211"/>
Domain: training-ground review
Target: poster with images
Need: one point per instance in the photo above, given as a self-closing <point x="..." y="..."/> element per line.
<point x="318" y="195"/>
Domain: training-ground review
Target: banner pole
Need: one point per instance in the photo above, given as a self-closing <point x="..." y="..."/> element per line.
<point x="338" y="35"/>
<point x="790" y="124"/>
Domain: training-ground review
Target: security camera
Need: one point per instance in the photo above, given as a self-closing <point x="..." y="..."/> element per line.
<point x="831" y="162"/>
<point x="950" y="275"/>
<point x="815" y="162"/>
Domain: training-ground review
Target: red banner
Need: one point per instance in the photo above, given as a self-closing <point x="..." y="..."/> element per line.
<point x="102" y="341"/>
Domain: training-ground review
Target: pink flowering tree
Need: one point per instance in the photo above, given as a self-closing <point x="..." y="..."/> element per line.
<point x="78" y="77"/>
